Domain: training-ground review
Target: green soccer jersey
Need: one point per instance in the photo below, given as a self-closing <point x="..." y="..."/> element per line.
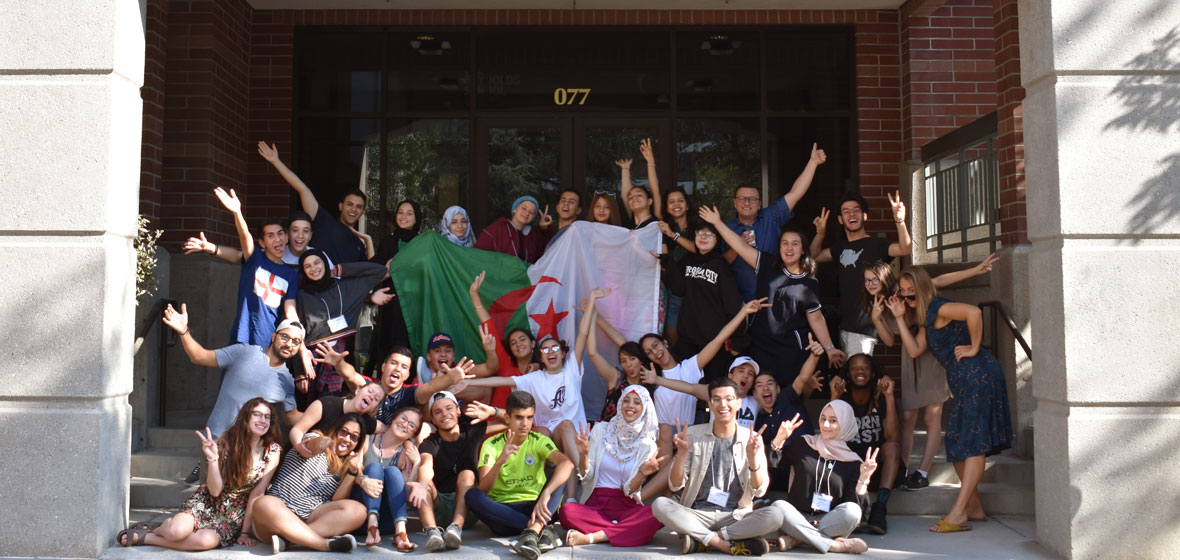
<point x="522" y="476"/>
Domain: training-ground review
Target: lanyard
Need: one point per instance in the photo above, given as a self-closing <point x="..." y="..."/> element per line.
<point x="818" y="474"/>
<point x="338" y="294"/>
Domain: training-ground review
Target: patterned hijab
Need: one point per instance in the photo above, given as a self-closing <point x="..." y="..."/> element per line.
<point x="622" y="437"/>
<point x="837" y="449"/>
<point x="445" y="227"/>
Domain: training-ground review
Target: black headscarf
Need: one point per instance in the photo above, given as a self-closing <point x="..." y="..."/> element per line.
<point x="315" y="286"/>
<point x="408" y="234"/>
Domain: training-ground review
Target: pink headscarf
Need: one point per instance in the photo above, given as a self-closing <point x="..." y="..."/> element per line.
<point x="836" y="449"/>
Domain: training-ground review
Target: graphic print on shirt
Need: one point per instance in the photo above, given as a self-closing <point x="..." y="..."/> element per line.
<point x="269" y="287"/>
<point x="746" y="417"/>
<point x="849" y="257"/>
<point x="701" y="272"/>
<point x="870" y="428"/>
<point x="558" y="399"/>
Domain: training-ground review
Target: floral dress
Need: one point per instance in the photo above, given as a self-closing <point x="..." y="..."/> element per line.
<point x="224" y="514"/>
<point x="980" y="420"/>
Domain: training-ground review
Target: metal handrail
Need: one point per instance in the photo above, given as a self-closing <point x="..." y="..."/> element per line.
<point x="998" y="308"/>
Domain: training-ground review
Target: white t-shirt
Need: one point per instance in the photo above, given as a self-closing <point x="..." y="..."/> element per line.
<point x="610" y="472"/>
<point x="674" y="405"/>
<point x="424" y="372"/>
<point x="558" y="395"/>
<point x="747" y="414"/>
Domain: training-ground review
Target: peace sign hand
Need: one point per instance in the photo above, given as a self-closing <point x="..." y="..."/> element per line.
<point x="821" y="222"/>
<point x="898" y="206"/>
<point x="509" y="447"/>
<point x="878" y="306"/>
<point x="785" y="430"/>
<point x="208" y="445"/>
<point x="582" y="440"/>
<point x="546" y="219"/>
<point x="680" y="440"/>
<point x="983" y="267"/>
<point x="489" y="340"/>
<point x="754" y="446"/>
<point x="753" y="306"/>
<point x="869" y="465"/>
<point x="652" y="466"/>
<point x="645" y="149"/>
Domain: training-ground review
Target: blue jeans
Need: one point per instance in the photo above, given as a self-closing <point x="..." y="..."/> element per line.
<point x="506" y="520"/>
<point x="390" y="506"/>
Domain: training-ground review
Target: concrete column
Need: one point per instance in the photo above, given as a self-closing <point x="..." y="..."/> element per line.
<point x="70" y="73"/>
<point x="1103" y="174"/>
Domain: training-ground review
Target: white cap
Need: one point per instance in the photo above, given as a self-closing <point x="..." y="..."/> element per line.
<point x="291" y="324"/>
<point x="744" y="360"/>
<point x="443" y="395"/>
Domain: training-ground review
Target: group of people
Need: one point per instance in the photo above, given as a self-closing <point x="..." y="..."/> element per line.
<point x="701" y="419"/>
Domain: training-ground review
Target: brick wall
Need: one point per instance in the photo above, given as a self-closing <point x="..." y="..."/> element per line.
<point x="205" y="101"/>
<point x="151" y="169"/>
<point x="1009" y="109"/>
<point x="948" y="69"/>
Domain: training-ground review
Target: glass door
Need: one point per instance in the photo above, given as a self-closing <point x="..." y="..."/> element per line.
<point x="517" y="157"/>
<point x="600" y="143"/>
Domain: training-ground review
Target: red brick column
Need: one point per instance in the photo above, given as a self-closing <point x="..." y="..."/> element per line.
<point x="151" y="167"/>
<point x="1009" y="116"/>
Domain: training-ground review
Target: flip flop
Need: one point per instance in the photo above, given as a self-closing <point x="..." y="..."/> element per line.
<point x="135" y="537"/>
<point x="948" y="527"/>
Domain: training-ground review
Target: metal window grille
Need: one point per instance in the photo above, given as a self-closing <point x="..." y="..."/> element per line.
<point x="962" y="202"/>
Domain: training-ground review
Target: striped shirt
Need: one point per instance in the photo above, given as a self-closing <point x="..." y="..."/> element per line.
<point x="303" y="484"/>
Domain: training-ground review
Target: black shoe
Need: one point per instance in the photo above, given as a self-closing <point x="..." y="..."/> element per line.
<point x="915" y="481"/>
<point x="748" y="547"/>
<point x="877" y="524"/>
<point x="344" y="543"/>
<point x="689" y="545"/>
<point x="194" y="476"/>
<point x="527" y="545"/>
<point x="549" y="539"/>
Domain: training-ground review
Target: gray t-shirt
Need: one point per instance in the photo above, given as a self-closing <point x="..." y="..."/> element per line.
<point x="247" y="375"/>
<point x="720" y="476"/>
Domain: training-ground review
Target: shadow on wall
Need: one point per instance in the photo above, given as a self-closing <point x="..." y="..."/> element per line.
<point x="1152" y="106"/>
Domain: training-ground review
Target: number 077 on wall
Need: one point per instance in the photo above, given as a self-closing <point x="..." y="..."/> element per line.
<point x="569" y="96"/>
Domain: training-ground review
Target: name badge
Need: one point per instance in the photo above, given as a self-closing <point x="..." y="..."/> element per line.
<point x="337" y="323"/>
<point x="821" y="502"/>
<point x="718" y="497"/>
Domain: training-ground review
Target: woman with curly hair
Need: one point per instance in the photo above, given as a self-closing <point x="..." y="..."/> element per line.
<point x="241" y="463"/>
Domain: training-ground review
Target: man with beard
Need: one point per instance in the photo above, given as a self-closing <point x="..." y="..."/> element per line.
<point x="858" y="248"/>
<point x="250" y="371"/>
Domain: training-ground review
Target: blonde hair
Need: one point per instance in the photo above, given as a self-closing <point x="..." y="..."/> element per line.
<point x="924" y="290"/>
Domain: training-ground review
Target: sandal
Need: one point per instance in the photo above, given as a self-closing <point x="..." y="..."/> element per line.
<point x="373" y="537"/>
<point x="148" y="526"/>
<point x="131" y="537"/>
<point x="944" y="526"/>
<point x="403" y="542"/>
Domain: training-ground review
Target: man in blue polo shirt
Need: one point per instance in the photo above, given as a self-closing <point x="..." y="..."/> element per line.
<point x="761" y="227"/>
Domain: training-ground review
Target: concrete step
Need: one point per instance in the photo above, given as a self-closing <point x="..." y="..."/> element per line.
<point x="147" y="492"/>
<point x="168" y="464"/>
<point x="998" y="499"/>
<point x="999" y="468"/>
<point x="182" y="439"/>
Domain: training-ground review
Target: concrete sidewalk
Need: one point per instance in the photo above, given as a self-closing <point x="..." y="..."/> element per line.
<point x="1001" y="537"/>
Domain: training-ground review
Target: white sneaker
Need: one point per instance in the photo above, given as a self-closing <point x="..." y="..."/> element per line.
<point x="277" y="544"/>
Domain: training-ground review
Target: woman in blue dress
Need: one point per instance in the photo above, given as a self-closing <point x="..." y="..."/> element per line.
<point x="980" y="422"/>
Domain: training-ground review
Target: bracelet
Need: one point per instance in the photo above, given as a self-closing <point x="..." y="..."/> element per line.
<point x="360" y="479"/>
<point x="215" y="249"/>
<point x="353" y="473"/>
<point x="185" y="332"/>
<point x="862" y="482"/>
<point x="213" y="460"/>
<point x="899" y="221"/>
<point x="675" y="237"/>
<point x="479" y="307"/>
<point x="755" y="470"/>
<point x="651" y="165"/>
<point x="829" y="347"/>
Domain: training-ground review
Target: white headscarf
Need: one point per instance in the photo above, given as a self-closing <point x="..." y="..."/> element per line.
<point x="836" y="449"/>
<point x="623" y="438"/>
<point x="445" y="227"/>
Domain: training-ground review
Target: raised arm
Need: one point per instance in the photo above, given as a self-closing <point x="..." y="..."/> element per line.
<point x="442" y="379"/>
<point x="476" y="302"/>
<point x="652" y="179"/>
<point x="803" y="182"/>
<point x="817" y="243"/>
<point x="605" y="368"/>
<point x="625" y="181"/>
<point x="736" y="244"/>
<point x="230" y="202"/>
<point x="306" y="198"/>
<point x="201" y="245"/>
<point x="904" y="243"/>
<point x="178" y="321"/>
<point x="213" y="482"/>
<point x="491" y="364"/>
<point x="886" y="386"/>
<point x="814" y="351"/>
<point x="324" y="353"/>
<point x="714" y="346"/>
<point x="587" y="323"/>
<point x="984" y="267"/>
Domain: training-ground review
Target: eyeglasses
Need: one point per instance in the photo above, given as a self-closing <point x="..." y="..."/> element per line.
<point x="909" y="297"/>
<point x="351" y="436"/>
<point x="608" y="193"/>
<point x="747" y="199"/>
<point x="408" y="422"/>
<point x="550" y="349"/>
<point x="285" y="339"/>
<point x="726" y="399"/>
<point x="260" y="415"/>
<point x="706" y="234"/>
<point x="872" y="281"/>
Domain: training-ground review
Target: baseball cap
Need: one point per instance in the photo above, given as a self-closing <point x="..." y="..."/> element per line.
<point x="744" y="360"/>
<point x="442" y="395"/>
<point x="439" y="339"/>
<point x="291" y="324"/>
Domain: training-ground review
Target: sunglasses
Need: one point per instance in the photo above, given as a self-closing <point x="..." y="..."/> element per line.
<point x="908" y="298"/>
<point x="609" y="193"/>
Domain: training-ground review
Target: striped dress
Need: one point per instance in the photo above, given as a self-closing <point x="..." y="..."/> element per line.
<point x="303" y="484"/>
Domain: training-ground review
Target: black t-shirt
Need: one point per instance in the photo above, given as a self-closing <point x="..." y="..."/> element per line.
<point x="785" y="407"/>
<point x="333" y="411"/>
<point x="834" y="478"/>
<point x="870" y="417"/>
<point x="791" y="298"/>
<point x="453" y="457"/>
<point x="331" y="236"/>
<point x="850" y="258"/>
